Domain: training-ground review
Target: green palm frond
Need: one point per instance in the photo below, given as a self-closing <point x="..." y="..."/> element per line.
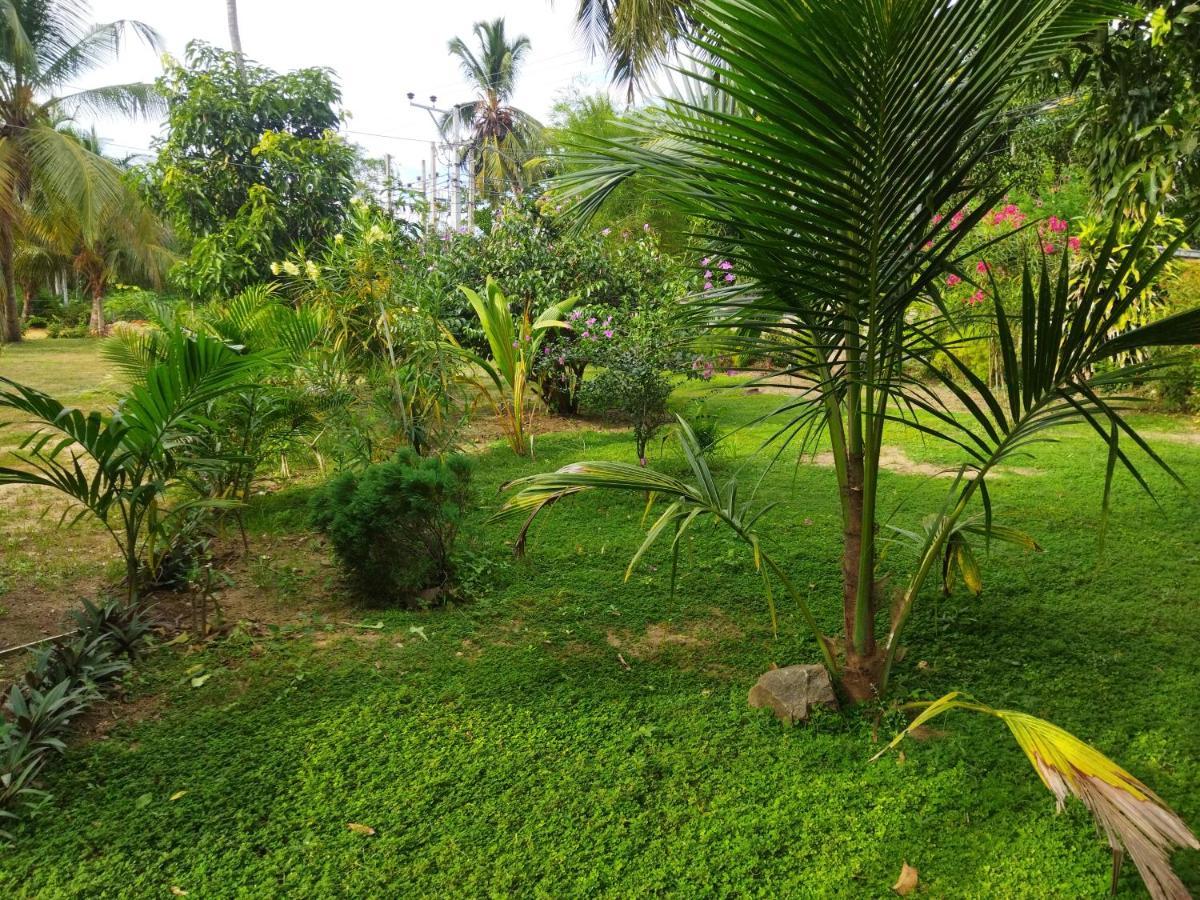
<point x="687" y="502"/>
<point x="1133" y="818"/>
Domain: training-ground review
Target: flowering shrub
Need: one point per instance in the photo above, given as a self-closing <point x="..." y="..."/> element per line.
<point x="541" y="261"/>
<point x="638" y="352"/>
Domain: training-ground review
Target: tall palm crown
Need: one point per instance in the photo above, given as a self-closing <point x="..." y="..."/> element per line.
<point x="635" y="35"/>
<point x="46" y="47"/>
<point x="501" y="139"/>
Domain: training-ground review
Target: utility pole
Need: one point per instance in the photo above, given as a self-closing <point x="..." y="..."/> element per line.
<point x="471" y="191"/>
<point x="433" y="215"/>
<point x="425" y="190"/>
<point x="387" y="181"/>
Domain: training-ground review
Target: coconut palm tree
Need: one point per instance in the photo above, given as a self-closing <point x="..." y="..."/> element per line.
<point x="844" y="184"/>
<point x="500" y="139"/>
<point x="235" y="33"/>
<point x="46" y="47"/>
<point x="636" y="36"/>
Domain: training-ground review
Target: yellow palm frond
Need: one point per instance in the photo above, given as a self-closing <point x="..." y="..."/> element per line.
<point x="1134" y="819"/>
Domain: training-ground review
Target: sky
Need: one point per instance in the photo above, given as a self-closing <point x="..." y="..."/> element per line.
<point x="379" y="51"/>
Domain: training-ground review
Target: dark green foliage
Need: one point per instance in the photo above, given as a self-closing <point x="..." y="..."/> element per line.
<point x="393" y="526"/>
<point x="1177" y="385"/>
<point x="251" y="166"/>
<point x="64" y="678"/>
<point x="125" y="627"/>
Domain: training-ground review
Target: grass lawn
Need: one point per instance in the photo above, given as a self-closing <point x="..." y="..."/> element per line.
<point x="568" y="734"/>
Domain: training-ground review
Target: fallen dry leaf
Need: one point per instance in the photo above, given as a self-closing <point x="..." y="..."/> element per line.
<point x="360" y="829"/>
<point x="177" y="795"/>
<point x="907" y="882"/>
<point x="178" y="891"/>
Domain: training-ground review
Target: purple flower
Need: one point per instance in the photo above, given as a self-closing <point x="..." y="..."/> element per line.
<point x="575" y="314"/>
<point x="591" y="321"/>
<point x="726" y="265"/>
<point x="606" y="231"/>
<point x="729" y="372"/>
<point x="608" y="332"/>
<point x="646" y="227"/>
<point x="705" y="261"/>
<point x="708" y="273"/>
<point x="516" y="343"/>
<point x="562" y="360"/>
<point x="708" y="285"/>
<point x="730" y="277"/>
<point x="585" y="334"/>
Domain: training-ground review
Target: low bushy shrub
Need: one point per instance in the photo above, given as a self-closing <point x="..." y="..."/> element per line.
<point x="393" y="525"/>
<point x="36" y="322"/>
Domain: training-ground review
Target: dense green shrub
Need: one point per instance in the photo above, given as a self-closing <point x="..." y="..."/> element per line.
<point x="36" y="322"/>
<point x="393" y="526"/>
<point x="1177" y="387"/>
<point x="59" y="330"/>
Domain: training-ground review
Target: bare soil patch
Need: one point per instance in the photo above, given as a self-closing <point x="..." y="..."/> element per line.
<point x="894" y="459"/>
<point x="661" y="637"/>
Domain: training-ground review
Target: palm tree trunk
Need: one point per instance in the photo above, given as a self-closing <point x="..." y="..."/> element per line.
<point x="10" y="321"/>
<point x="27" y="303"/>
<point x="235" y="36"/>
<point x="96" y="323"/>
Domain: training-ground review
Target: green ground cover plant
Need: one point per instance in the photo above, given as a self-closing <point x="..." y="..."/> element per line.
<point x="501" y="746"/>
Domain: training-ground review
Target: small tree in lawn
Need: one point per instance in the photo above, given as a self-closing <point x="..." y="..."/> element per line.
<point x="514" y="341"/>
<point x="636" y="354"/>
<point x="121" y="468"/>
<point x="829" y="215"/>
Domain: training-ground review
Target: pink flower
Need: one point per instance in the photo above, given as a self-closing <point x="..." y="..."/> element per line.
<point x="704" y="262"/>
<point x="928" y="245"/>
<point x="952" y="280"/>
<point x="981" y="266"/>
<point x="956" y="220"/>
<point x="562" y="360"/>
<point x="1073" y="243"/>
<point x="608" y="332"/>
<point x="708" y="285"/>
<point x="708" y="273"/>
<point x="937" y="217"/>
<point x="591" y="320"/>
<point x="730" y="277"/>
<point x="606" y="231"/>
<point x="585" y="334"/>
<point x="726" y="265"/>
<point x="646" y="227"/>
<point x="976" y="297"/>
<point x="1049" y="247"/>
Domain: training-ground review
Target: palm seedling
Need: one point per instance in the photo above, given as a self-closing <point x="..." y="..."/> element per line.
<point x="514" y="343"/>
<point x="121" y="469"/>
<point x="827" y="173"/>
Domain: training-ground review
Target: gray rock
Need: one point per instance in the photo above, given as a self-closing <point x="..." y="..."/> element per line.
<point x="791" y="692"/>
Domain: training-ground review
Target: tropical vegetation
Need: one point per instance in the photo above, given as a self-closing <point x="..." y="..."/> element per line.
<point x="854" y="352"/>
